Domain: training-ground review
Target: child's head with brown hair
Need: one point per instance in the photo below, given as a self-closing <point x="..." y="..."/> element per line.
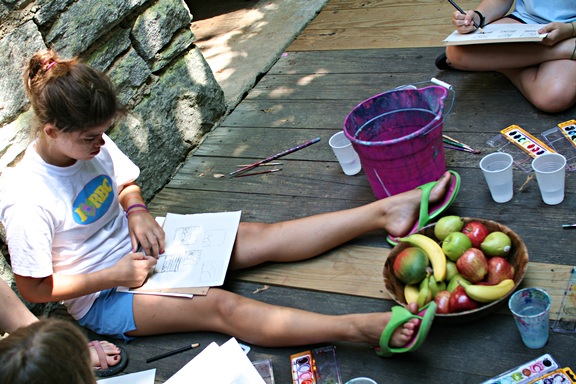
<point x="48" y="351"/>
<point x="69" y="94"/>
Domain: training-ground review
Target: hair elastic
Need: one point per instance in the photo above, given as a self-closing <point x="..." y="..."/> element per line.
<point x="53" y="63"/>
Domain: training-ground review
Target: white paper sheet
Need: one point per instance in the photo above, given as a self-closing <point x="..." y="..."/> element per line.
<point x="143" y="377"/>
<point x="198" y="250"/>
<point x="227" y="364"/>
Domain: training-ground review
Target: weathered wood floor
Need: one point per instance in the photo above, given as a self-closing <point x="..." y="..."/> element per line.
<point x="307" y="95"/>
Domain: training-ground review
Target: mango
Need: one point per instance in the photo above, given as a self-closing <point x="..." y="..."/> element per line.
<point x="410" y="265"/>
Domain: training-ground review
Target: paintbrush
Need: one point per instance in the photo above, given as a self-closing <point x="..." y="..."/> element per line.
<point x="274" y="157"/>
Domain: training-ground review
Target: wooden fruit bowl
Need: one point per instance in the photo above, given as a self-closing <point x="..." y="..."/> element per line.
<point x="518" y="257"/>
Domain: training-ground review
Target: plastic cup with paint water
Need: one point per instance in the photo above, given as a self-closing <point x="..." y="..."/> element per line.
<point x="345" y="153"/>
<point x="531" y="310"/>
<point x="550" y="169"/>
<point x="361" y="380"/>
<point x="497" y="169"/>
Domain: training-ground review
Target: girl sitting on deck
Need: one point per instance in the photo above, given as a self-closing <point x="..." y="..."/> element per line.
<point x="58" y="254"/>
<point x="544" y="72"/>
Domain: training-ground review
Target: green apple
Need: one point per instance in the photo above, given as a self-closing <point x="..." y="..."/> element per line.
<point x="455" y="244"/>
<point x="446" y="225"/>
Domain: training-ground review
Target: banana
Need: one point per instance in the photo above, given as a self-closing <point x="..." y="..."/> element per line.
<point x="432" y="250"/>
<point x="489" y="293"/>
<point x="410" y="293"/>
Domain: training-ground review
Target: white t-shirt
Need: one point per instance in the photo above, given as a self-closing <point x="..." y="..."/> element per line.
<point x="544" y="12"/>
<point x="67" y="219"/>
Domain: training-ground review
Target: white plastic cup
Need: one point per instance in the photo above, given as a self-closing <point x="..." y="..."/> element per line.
<point x="497" y="169"/>
<point x="550" y="170"/>
<point x="361" y="380"/>
<point x="345" y="153"/>
<point x="531" y="310"/>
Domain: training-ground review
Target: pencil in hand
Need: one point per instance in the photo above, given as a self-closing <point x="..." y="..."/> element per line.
<point x="464" y="13"/>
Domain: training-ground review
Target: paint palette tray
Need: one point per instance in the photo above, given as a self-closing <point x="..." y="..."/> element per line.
<point x="563" y="139"/>
<point x="521" y="145"/>
<point x="318" y="366"/>
<point x="527" y="372"/>
<point x="565" y="321"/>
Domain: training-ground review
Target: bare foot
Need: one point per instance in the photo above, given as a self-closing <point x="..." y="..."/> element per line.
<point x="401" y="335"/>
<point x="401" y="211"/>
<point x="112" y="354"/>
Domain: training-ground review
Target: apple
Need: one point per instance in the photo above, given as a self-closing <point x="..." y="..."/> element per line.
<point x="455" y="244"/>
<point x="460" y="302"/>
<point x="499" y="269"/>
<point x="472" y="265"/>
<point x="446" y="225"/>
<point x="476" y="232"/>
<point x="442" y="301"/>
<point x="496" y="244"/>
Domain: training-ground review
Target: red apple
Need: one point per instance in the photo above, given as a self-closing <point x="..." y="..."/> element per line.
<point x="460" y="302"/>
<point x="442" y="301"/>
<point x="499" y="269"/>
<point x="476" y="232"/>
<point x="472" y="265"/>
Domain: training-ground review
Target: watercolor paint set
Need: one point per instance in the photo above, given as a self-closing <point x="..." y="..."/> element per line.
<point x="317" y="366"/>
<point x="563" y="139"/>
<point x="524" y="147"/>
<point x="521" y="145"/>
<point x="526" y="373"/>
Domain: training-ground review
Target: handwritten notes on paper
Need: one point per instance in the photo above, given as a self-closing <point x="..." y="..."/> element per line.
<point x="198" y="250"/>
<point x="498" y="33"/>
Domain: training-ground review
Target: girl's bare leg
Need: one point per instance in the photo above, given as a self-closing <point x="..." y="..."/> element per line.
<point x="550" y="86"/>
<point x="260" y="323"/>
<point x="310" y="236"/>
<point x="544" y="74"/>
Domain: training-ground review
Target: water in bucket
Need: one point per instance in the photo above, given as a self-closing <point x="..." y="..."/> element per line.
<point x="398" y="137"/>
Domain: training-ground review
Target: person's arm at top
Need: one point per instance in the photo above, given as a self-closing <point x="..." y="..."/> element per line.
<point x="144" y="229"/>
<point x="492" y="10"/>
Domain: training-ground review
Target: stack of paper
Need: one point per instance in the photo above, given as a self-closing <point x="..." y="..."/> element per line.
<point x="226" y="364"/>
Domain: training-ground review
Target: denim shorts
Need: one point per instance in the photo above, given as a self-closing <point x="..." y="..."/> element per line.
<point x="111" y="315"/>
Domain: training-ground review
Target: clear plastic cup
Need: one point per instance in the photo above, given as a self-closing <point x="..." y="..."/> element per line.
<point x="531" y="310"/>
<point x="345" y="153"/>
<point x="497" y="169"/>
<point x="550" y="170"/>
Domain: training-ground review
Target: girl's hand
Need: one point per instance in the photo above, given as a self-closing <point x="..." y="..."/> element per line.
<point x="464" y="23"/>
<point x="556" y="32"/>
<point x="133" y="269"/>
<point x="147" y="233"/>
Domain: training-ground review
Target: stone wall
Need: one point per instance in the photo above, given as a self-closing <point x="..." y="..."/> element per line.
<point x="148" y="50"/>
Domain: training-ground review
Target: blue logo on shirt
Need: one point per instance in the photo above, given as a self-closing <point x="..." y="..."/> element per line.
<point x="94" y="200"/>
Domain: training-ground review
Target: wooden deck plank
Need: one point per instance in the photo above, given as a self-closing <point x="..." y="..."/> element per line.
<point x="356" y="24"/>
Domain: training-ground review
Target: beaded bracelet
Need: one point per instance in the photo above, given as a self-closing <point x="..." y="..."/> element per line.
<point x="145" y="208"/>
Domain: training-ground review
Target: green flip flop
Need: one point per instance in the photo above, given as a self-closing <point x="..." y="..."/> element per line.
<point x="429" y="212"/>
<point x="401" y="315"/>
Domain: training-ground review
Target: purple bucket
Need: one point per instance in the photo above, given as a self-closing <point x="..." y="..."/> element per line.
<point x="398" y="137"/>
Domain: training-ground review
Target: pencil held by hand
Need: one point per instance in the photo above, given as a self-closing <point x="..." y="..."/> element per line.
<point x="478" y="27"/>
